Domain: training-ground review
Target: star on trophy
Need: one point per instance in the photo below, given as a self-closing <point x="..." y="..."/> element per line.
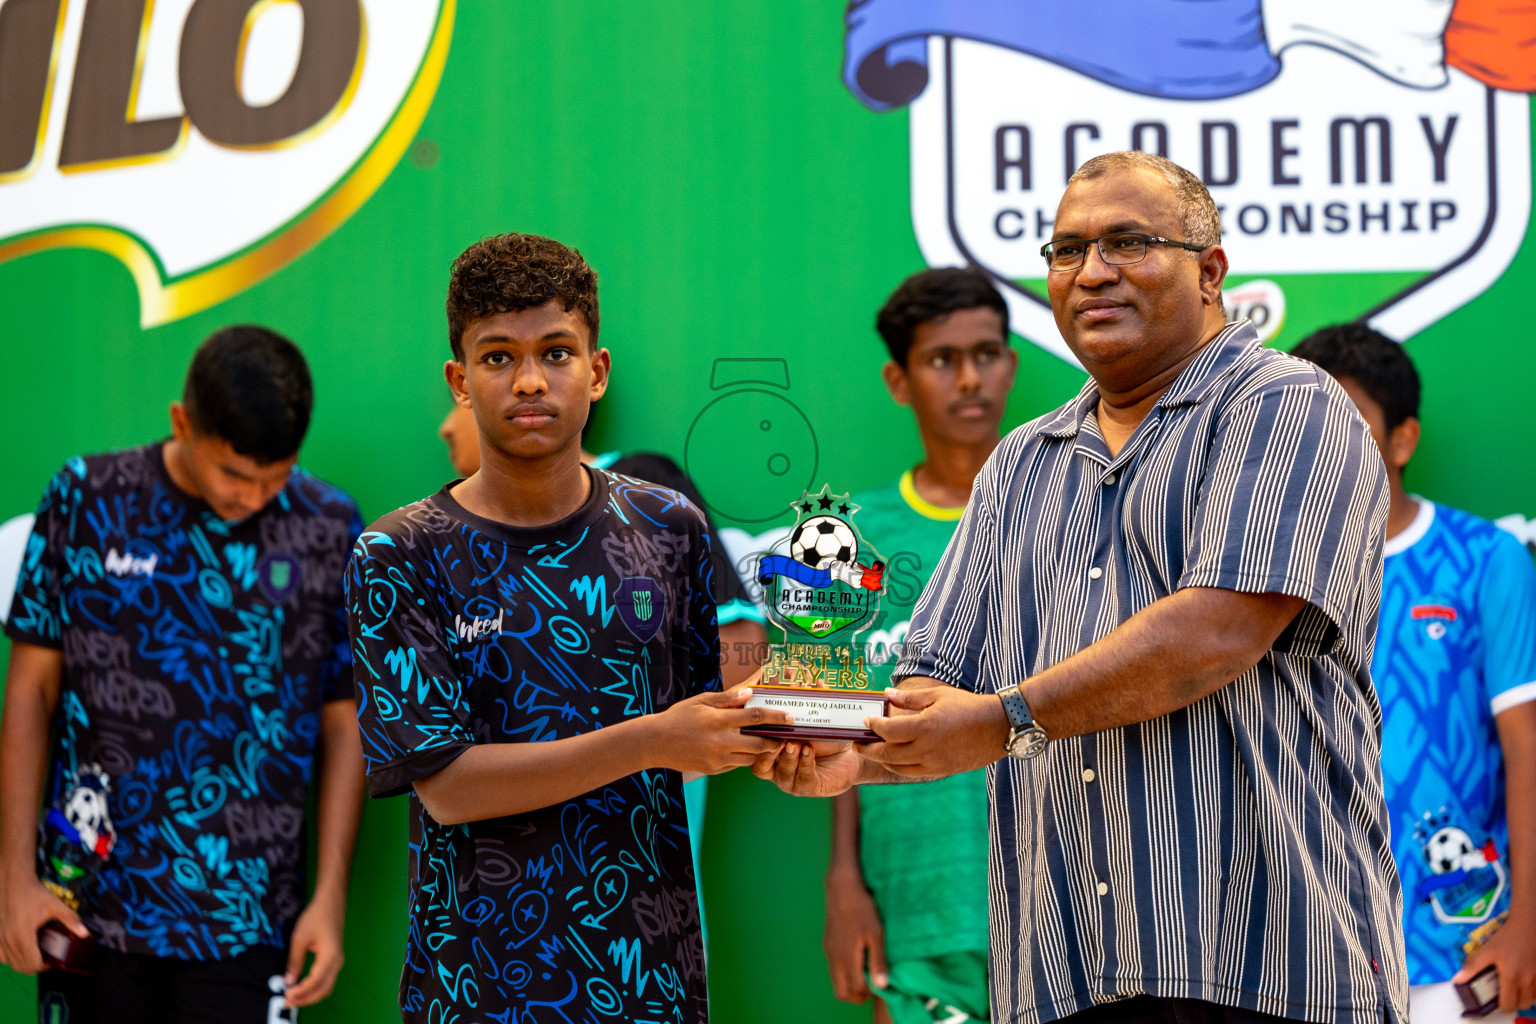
<point x="821" y="586"/>
<point x="77" y="838"/>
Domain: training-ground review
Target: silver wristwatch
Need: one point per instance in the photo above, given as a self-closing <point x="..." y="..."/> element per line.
<point x="1025" y="739"/>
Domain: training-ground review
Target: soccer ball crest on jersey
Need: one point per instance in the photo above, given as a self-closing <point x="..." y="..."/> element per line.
<point x="1461" y="881"/>
<point x="1448" y="849"/>
<point x="85" y="808"/>
<point x="77" y="834"/>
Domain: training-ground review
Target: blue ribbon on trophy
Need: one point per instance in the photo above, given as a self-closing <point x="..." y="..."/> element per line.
<point x="863" y="577"/>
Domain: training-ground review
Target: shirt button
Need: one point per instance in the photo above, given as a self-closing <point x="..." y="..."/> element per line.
<point x="1103" y="888"/>
<point x="1095" y="573"/>
<point x="1109" y="480"/>
<point x="1088" y="775"/>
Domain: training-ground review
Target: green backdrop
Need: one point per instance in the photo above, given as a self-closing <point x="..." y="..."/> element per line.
<point x="736" y="201"/>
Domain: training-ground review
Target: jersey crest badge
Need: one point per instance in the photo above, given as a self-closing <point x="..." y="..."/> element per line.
<point x="642" y="606"/>
<point x="1462" y="881"/>
<point x="278" y="576"/>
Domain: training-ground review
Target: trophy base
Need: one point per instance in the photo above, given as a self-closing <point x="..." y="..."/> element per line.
<point x="811" y="733"/>
<point x="831" y="715"/>
<point x="63" y="950"/>
<point x="1480" y="995"/>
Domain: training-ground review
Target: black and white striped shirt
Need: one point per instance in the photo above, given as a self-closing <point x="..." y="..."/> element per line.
<point x="1235" y="851"/>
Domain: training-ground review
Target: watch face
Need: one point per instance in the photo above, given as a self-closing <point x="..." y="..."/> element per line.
<point x="1029" y="743"/>
<point x="1034" y="742"/>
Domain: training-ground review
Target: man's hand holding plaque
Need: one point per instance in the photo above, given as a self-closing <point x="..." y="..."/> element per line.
<point x="936" y="730"/>
<point x="931" y="731"/>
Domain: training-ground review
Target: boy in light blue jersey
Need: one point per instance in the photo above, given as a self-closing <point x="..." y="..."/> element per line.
<point x="1455" y="671"/>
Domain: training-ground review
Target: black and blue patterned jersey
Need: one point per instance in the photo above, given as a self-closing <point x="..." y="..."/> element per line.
<point x="197" y="654"/>
<point x="469" y="631"/>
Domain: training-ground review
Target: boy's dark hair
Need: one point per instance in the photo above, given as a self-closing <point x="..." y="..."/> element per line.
<point x="1377" y="363"/>
<point x="513" y="272"/>
<point x="250" y="386"/>
<point x="930" y="294"/>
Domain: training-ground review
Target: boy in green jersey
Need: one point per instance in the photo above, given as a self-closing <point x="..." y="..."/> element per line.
<point x="907" y="884"/>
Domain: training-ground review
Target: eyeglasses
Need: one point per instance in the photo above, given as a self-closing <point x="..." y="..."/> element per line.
<point x="1118" y="249"/>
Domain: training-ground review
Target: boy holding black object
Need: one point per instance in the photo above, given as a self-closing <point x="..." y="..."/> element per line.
<point x="537" y="665"/>
<point x="178" y="626"/>
<point x="1455" y="671"/>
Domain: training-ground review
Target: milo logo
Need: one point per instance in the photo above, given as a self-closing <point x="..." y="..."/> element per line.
<point x="204" y="143"/>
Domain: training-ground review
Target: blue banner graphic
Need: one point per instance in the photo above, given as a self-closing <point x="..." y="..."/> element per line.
<point x="1179" y="49"/>
<point x="782" y="565"/>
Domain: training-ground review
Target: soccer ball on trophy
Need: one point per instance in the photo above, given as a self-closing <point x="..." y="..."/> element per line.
<point x="821" y="540"/>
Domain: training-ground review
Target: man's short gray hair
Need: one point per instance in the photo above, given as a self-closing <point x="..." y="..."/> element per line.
<point x="1197" y="210"/>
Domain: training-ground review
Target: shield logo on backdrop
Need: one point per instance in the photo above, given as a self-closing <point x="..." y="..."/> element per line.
<point x="642" y="605"/>
<point x="1388" y="140"/>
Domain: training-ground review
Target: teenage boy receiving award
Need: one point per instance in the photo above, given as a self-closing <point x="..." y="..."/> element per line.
<point x="537" y="666"/>
<point x="907" y="884"/>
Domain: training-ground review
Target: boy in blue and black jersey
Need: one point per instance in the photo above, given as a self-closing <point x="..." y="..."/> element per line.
<point x="178" y="627"/>
<point x="537" y="665"/>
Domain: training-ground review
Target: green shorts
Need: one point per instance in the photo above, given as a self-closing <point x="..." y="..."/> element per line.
<point x="948" y="989"/>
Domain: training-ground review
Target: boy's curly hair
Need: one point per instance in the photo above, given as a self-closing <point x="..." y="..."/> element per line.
<point x="513" y="272"/>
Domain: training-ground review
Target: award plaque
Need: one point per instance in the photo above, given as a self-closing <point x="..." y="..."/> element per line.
<point x="77" y="838"/>
<point x="821" y="586"/>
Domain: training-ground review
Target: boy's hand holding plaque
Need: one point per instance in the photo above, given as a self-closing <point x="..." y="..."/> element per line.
<point x="821" y="586"/>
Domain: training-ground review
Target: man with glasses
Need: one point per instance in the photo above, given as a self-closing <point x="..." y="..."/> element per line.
<point x="1154" y="624"/>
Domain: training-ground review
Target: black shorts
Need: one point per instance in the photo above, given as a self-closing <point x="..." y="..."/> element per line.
<point x="129" y="988"/>
<point x="1161" y="1010"/>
